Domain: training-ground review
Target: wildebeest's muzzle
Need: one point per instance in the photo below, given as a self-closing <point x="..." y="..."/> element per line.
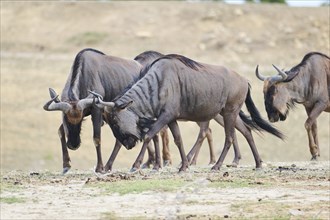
<point x="73" y="145"/>
<point x="274" y="115"/>
<point x="73" y="135"/>
<point x="129" y="142"/>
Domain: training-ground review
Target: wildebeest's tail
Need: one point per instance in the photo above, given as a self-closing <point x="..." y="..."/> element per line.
<point x="248" y="121"/>
<point x="258" y="120"/>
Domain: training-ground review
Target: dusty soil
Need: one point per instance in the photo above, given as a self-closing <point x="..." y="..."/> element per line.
<point x="278" y="191"/>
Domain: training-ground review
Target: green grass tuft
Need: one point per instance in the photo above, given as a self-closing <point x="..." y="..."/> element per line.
<point x="11" y="200"/>
<point x="138" y="186"/>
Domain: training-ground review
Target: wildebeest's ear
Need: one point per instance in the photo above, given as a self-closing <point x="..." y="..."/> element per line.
<point x="124" y="105"/>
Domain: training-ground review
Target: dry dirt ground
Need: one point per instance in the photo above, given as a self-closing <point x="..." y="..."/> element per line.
<point x="278" y="191"/>
<point x="39" y="41"/>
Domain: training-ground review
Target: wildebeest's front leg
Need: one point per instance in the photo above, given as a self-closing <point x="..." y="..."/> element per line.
<point x="178" y="141"/>
<point x="157" y="152"/>
<point x="163" y="120"/>
<point x="97" y="122"/>
<point x="311" y="128"/>
<point x="147" y="145"/>
<point x="151" y="158"/>
<point x="108" y="165"/>
<point x="65" y="153"/>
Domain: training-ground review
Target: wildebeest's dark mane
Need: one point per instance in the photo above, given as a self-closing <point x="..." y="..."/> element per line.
<point x="75" y="68"/>
<point x="147" y="54"/>
<point x="185" y="60"/>
<point x="295" y="70"/>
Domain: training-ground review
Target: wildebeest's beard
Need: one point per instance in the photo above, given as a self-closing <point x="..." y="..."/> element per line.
<point x="273" y="113"/>
<point x="73" y="134"/>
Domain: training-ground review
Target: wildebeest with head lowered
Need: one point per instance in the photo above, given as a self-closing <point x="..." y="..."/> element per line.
<point x="91" y="70"/>
<point x="308" y="83"/>
<point x="178" y="88"/>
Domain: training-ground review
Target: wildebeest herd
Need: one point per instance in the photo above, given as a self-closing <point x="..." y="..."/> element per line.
<point x="143" y="97"/>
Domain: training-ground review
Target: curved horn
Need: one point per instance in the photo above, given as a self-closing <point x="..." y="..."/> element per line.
<point x="53" y="94"/>
<point x="60" y="106"/>
<point x="85" y="103"/>
<point x="100" y="103"/>
<point x="259" y="76"/>
<point x="281" y="73"/>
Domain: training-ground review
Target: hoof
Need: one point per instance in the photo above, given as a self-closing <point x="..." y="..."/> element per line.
<point x="215" y="168"/>
<point x="99" y="170"/>
<point x="183" y="168"/>
<point x="145" y="166"/>
<point x="65" y="170"/>
<point x="134" y="170"/>
<point x="107" y="169"/>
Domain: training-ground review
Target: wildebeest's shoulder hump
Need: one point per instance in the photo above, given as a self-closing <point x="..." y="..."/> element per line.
<point x="306" y="59"/>
<point x="147" y="54"/>
<point x="185" y="60"/>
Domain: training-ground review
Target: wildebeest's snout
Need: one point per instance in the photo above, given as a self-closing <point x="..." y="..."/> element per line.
<point x="73" y="144"/>
<point x="129" y="142"/>
<point x="276" y="116"/>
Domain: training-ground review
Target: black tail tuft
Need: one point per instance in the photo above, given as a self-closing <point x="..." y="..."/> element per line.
<point x="248" y="121"/>
<point x="258" y="120"/>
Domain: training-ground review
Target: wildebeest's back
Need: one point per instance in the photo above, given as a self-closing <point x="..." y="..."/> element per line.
<point x="107" y="75"/>
<point x="198" y="93"/>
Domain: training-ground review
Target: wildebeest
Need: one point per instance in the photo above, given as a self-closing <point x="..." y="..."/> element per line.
<point x="91" y="70"/>
<point x="178" y="88"/>
<point x="145" y="59"/>
<point x="308" y="83"/>
<point x="94" y="70"/>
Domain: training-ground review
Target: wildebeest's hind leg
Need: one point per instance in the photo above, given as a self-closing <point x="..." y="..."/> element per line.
<point x="65" y="153"/>
<point x="229" y="125"/>
<point x="246" y="132"/>
<point x="237" y="152"/>
<point x="315" y="135"/>
<point x="108" y="166"/>
<point x="166" y="149"/>
<point x="204" y="132"/>
<point x="311" y="128"/>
